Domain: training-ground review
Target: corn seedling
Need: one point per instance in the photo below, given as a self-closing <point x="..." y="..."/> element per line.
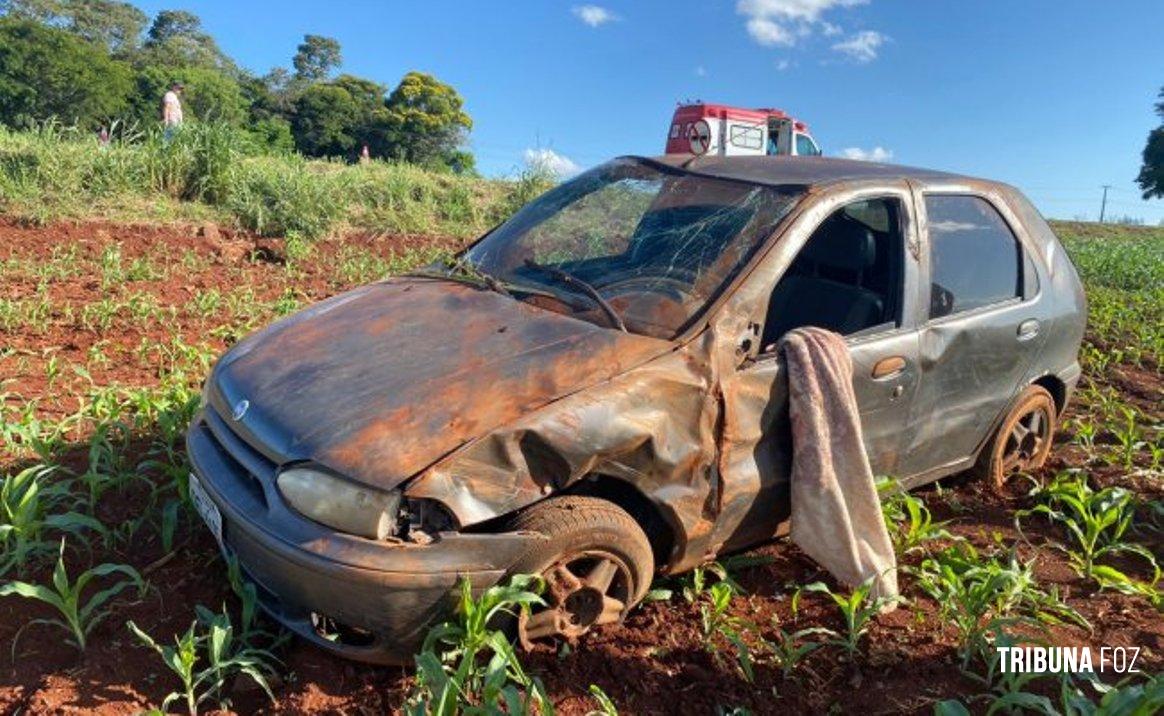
<point x="1127" y="698"/>
<point x="695" y="584"/>
<point x="1097" y="522"/>
<point x="789" y="650"/>
<point x="211" y="636"/>
<point x="717" y="623"/>
<point x="979" y="596"/>
<point x="77" y="617"/>
<point x="450" y="676"/>
<point x="909" y="520"/>
<point x="29" y="510"/>
<point x="858" y="608"/>
<point x="606" y="706"/>
<point x="1086" y="432"/>
<point x="1128" y="437"/>
<point x="245" y="591"/>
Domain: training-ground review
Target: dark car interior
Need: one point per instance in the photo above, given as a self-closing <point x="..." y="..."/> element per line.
<point x="847" y="278"/>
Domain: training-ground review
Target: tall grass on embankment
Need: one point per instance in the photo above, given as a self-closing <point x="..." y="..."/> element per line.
<point x="213" y="172"/>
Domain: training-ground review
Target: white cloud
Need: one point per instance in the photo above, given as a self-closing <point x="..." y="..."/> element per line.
<point x="782" y="23"/>
<point x="701" y="71"/>
<point x="782" y="65"/>
<point x="803" y="10"/>
<point x="769" y="33"/>
<point x="876" y="154"/>
<point x="551" y="161"/>
<point x="593" y="15"/>
<point x="863" y="46"/>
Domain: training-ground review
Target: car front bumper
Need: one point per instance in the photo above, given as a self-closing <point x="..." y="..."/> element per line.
<point x="361" y="599"/>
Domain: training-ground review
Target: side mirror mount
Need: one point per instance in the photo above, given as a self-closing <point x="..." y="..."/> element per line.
<point x="941" y="301"/>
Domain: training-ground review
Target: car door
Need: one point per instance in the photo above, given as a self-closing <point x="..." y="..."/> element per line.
<point x="756" y="452"/>
<point x="980" y="333"/>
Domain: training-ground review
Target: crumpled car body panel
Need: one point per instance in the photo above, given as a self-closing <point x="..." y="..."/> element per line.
<point x="379" y="383"/>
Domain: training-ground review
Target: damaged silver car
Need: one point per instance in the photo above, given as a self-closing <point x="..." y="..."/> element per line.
<point x="593" y="392"/>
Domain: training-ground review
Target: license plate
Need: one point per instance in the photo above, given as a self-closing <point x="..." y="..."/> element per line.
<point x="206" y="508"/>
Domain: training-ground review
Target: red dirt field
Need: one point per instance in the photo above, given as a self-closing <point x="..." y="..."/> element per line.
<point x="654" y="663"/>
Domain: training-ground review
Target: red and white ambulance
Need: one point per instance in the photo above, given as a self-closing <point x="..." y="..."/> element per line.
<point x="733" y="131"/>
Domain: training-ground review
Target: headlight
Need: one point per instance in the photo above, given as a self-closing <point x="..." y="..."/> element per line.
<point x="339" y="504"/>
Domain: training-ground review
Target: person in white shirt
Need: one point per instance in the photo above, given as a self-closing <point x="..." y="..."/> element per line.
<point x="172" y="110"/>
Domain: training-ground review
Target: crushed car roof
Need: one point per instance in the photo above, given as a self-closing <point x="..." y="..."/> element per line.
<point x="805" y="171"/>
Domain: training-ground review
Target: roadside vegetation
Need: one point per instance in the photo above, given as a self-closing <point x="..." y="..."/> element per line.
<point x="110" y="583"/>
<point x="212" y="172"/>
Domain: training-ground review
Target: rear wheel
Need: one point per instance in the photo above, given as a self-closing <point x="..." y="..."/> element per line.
<point x="596" y="562"/>
<point x="1022" y="441"/>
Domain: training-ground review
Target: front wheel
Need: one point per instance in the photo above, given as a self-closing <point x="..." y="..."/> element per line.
<point x="1022" y="441"/>
<point x="596" y="562"/>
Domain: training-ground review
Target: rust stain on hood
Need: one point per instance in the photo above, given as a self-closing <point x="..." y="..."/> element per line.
<point x="379" y="383"/>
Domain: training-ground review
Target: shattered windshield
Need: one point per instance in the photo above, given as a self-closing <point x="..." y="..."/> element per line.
<point x="632" y="244"/>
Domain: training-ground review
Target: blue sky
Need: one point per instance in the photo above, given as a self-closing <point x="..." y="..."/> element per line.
<point x="1055" y="97"/>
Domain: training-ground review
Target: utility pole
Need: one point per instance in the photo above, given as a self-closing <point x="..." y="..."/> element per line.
<point x="1103" y="206"/>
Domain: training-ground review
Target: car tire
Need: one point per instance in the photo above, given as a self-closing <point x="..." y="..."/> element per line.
<point x="1022" y="441"/>
<point x="596" y="562"/>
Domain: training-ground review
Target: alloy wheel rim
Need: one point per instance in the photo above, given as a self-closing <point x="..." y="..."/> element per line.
<point x="1025" y="441"/>
<point x="583" y="591"/>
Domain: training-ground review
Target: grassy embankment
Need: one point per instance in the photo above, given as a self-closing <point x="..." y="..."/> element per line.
<point x="211" y="173"/>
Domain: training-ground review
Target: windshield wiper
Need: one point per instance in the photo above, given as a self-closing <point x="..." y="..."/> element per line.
<point x="460" y="264"/>
<point x="587" y="289"/>
<point x="469" y="274"/>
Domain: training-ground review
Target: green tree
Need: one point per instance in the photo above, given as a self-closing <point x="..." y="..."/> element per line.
<point x="209" y="95"/>
<point x="116" y="25"/>
<point x="272" y="134"/>
<point x="1151" y="178"/>
<point x="172" y="24"/>
<point x="280" y="90"/>
<point x="317" y="57"/>
<point x="43" y="11"/>
<point x="425" y="122"/>
<point x="176" y="39"/>
<point x="47" y="72"/>
<point x="335" y="118"/>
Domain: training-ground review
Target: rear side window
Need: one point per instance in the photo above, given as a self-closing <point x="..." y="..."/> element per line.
<point x="975" y="259"/>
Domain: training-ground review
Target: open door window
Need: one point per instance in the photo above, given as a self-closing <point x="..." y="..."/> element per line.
<point x="847" y="278"/>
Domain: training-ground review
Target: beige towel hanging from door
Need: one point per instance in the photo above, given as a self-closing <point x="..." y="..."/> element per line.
<point x="836" y="513"/>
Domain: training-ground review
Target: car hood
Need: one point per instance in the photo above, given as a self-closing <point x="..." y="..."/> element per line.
<point x="380" y="382"/>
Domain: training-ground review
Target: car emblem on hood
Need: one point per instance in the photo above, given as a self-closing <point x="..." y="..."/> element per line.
<point x="240" y="409"/>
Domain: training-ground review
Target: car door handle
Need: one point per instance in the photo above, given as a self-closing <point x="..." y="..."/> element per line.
<point x="890" y="367"/>
<point x="1028" y="329"/>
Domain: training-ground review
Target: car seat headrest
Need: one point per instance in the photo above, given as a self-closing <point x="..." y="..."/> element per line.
<point x="842" y="243"/>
